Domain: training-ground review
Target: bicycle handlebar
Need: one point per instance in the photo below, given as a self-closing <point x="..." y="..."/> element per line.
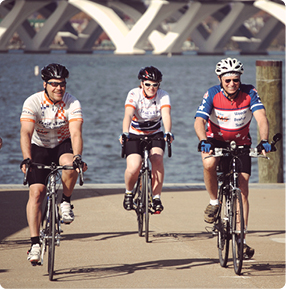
<point x="145" y="139"/>
<point x="234" y="150"/>
<point x="53" y="168"/>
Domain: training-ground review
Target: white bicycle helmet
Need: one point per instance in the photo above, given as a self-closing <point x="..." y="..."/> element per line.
<point x="228" y="65"/>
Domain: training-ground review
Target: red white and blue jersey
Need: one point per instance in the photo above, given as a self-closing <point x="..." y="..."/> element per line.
<point x="229" y="120"/>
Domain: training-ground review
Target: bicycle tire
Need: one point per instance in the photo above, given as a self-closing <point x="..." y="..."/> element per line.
<point x="237" y="248"/>
<point x="51" y="238"/>
<point x="43" y="232"/>
<point x="222" y="226"/>
<point x="139" y="208"/>
<point x="146" y="189"/>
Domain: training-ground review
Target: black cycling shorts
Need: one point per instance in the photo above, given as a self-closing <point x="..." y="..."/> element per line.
<point x="136" y="147"/>
<point x="46" y="156"/>
<point x="224" y="165"/>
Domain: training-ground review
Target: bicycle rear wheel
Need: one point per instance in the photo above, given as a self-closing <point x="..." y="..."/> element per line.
<point x="51" y="238"/>
<point x="237" y="232"/>
<point x="222" y="226"/>
<point x="146" y="189"/>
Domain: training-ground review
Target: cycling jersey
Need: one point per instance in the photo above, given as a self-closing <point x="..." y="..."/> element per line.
<point x="51" y="120"/>
<point x="147" y="117"/>
<point x="229" y="120"/>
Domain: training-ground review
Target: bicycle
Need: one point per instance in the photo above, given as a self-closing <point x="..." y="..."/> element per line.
<point x="142" y="196"/>
<point x="51" y="224"/>
<point x="229" y="221"/>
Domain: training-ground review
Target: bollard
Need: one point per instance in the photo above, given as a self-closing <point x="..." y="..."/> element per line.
<point x="269" y="87"/>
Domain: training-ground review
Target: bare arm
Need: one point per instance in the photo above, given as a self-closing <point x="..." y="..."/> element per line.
<point x="129" y="112"/>
<point x="75" y="128"/>
<point x="167" y="120"/>
<point x="166" y="117"/>
<point x="200" y="128"/>
<point x="26" y="132"/>
<point x="262" y="122"/>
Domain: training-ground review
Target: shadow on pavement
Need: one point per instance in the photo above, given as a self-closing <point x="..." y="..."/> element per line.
<point x="93" y="272"/>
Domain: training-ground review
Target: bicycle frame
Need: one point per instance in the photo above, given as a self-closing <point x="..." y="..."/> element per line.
<point x="143" y="190"/>
<point x="51" y="228"/>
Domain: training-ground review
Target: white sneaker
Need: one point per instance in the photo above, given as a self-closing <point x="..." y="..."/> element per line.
<point x="34" y="254"/>
<point x="66" y="212"/>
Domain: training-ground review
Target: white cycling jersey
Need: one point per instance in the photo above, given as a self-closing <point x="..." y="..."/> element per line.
<point x="147" y="117"/>
<point x="51" y="120"/>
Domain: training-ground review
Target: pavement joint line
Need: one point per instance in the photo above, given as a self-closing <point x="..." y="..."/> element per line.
<point x="167" y="186"/>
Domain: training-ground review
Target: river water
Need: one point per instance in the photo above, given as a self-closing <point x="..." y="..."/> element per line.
<point x="101" y="82"/>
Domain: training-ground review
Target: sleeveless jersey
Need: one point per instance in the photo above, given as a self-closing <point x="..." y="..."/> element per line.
<point x="147" y="117"/>
<point x="229" y="120"/>
<point x="51" y="120"/>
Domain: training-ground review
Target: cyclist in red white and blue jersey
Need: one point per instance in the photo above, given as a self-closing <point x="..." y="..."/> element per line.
<point x="227" y="110"/>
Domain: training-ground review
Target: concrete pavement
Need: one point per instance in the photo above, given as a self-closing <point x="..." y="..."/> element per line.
<point x="102" y="249"/>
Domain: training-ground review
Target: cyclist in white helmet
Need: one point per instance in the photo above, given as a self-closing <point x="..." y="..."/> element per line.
<point x="227" y="110"/>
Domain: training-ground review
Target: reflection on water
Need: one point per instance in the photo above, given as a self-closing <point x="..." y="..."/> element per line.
<point x="101" y="82"/>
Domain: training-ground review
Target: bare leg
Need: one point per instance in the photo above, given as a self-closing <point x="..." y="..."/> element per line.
<point x="243" y="185"/>
<point x="133" y="164"/>
<point x="210" y="175"/>
<point x="69" y="177"/>
<point x="156" y="158"/>
<point x="34" y="208"/>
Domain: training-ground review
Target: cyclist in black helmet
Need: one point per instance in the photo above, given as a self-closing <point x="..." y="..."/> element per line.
<point x="51" y="131"/>
<point x="145" y="108"/>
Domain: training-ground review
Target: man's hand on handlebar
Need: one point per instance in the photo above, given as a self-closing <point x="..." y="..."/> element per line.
<point x="264" y="147"/>
<point x="25" y="164"/>
<point x="78" y="163"/>
<point x="206" y="146"/>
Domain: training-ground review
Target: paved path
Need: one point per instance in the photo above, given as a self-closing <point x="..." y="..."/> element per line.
<point x="101" y="248"/>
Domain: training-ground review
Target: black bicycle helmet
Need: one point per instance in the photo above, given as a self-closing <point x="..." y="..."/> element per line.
<point x="54" y="70"/>
<point x="150" y="73"/>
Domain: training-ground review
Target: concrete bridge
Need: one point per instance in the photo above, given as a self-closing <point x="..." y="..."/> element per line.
<point x="165" y="25"/>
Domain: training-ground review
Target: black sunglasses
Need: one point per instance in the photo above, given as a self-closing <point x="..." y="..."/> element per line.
<point x="56" y="84"/>
<point x="234" y="80"/>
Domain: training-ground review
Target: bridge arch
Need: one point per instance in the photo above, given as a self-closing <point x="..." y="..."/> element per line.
<point x="146" y="28"/>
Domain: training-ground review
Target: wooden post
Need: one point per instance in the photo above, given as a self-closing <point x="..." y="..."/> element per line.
<point x="269" y="87"/>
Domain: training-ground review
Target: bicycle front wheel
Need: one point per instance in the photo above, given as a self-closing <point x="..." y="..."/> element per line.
<point x="139" y="205"/>
<point x="222" y="226"/>
<point x="146" y="188"/>
<point x="237" y="232"/>
<point x="51" y="237"/>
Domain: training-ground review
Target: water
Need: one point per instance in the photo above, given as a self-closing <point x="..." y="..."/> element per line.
<point x="101" y="82"/>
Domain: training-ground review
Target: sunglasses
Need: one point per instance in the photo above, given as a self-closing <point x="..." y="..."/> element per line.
<point x="56" y="84"/>
<point x="151" y="84"/>
<point x="234" y="80"/>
